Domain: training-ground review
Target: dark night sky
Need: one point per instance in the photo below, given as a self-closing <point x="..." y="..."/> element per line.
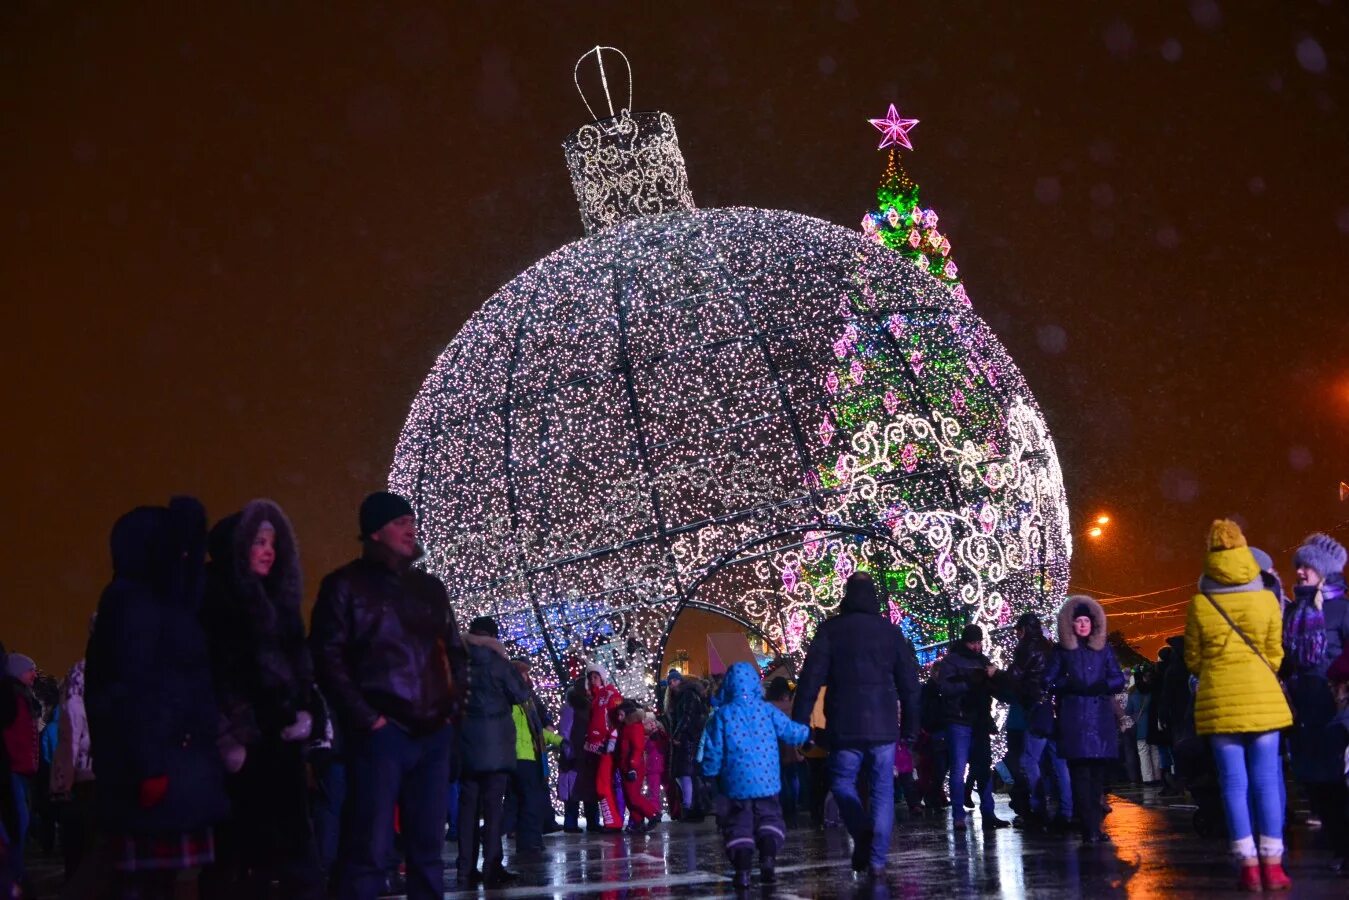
<point x="235" y="241"/>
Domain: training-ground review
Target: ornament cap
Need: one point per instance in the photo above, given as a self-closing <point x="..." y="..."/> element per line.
<point x="626" y="165"/>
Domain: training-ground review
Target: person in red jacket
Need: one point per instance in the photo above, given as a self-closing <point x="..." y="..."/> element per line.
<point x="21" y="746"/>
<point x="601" y="739"/>
<point x="657" y="752"/>
<point x="632" y="766"/>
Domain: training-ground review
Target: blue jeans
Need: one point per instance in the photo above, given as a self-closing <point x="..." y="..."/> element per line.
<point x="330" y="781"/>
<point x="1062" y="778"/>
<point x="384" y="768"/>
<point x="977" y="753"/>
<point x="452" y="811"/>
<point x="20" y="788"/>
<point x="1032" y="750"/>
<point x="1249" y="773"/>
<point x="793" y="780"/>
<point x="845" y="764"/>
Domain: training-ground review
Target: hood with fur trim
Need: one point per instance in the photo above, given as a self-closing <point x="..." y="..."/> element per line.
<point x="599" y="669"/>
<point x="232" y="538"/>
<point x="487" y="641"/>
<point x="1067" y="637"/>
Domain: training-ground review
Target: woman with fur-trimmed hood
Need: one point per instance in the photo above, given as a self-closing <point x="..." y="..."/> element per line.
<point x="1084" y="676"/>
<point x="264" y="679"/>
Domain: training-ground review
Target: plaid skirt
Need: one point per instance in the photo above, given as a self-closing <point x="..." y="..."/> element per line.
<point x="162" y="852"/>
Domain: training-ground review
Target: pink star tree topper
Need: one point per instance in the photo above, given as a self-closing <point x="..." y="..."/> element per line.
<point x="894" y="130"/>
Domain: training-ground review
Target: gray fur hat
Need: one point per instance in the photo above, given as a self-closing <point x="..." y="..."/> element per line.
<point x="1321" y="553"/>
<point x="20" y="665"/>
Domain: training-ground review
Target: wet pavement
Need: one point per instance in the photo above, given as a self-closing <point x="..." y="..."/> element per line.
<point x="1155" y="853"/>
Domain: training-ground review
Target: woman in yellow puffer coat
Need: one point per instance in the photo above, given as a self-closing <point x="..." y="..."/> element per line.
<point x="1240" y="705"/>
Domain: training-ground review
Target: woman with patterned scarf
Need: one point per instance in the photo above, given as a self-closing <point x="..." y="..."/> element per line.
<point x="1315" y="633"/>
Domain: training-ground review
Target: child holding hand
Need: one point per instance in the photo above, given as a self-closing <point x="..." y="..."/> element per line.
<point x="740" y="750"/>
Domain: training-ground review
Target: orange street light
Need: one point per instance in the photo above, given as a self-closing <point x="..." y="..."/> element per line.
<point x="1095" y="531"/>
<point x="1102" y="520"/>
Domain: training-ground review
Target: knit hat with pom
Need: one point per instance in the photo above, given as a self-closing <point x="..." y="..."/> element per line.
<point x="1321" y="553"/>
<point x="1225" y="534"/>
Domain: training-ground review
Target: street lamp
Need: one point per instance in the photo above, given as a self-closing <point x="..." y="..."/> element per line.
<point x="1097" y="530"/>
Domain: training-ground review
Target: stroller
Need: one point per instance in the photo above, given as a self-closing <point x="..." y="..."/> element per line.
<point x="1199" y="773"/>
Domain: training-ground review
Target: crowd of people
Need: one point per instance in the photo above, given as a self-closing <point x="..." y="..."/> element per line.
<point x="208" y="729"/>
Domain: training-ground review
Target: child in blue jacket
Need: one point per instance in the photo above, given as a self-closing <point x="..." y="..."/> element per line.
<point x="740" y="750"/>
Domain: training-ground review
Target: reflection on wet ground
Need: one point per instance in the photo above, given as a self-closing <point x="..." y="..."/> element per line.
<point x="1155" y="853"/>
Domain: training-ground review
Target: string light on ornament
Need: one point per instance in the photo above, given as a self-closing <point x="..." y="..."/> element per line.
<point x="731" y="408"/>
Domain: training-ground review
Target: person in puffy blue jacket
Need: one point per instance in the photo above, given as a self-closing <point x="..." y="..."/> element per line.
<point x="740" y="750"/>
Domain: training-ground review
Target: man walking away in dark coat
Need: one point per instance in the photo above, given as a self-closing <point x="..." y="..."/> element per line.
<point x="389" y="659"/>
<point x="871" y="672"/>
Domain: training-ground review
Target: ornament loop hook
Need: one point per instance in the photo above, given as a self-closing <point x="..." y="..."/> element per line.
<point x="598" y="53"/>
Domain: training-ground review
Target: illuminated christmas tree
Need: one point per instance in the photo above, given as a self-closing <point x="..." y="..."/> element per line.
<point x="899" y="220"/>
<point x="877" y="363"/>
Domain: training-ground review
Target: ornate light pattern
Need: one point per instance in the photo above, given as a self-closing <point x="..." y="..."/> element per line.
<point x="627" y="166"/>
<point x="732" y="409"/>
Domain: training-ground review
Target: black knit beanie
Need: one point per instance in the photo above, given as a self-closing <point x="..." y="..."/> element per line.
<point x="381" y="508"/>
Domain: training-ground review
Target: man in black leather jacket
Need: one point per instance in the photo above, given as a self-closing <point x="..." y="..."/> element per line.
<point x="390" y="661"/>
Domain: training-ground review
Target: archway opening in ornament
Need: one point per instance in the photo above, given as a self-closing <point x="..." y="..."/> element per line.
<point x="688" y="649"/>
<point x="780" y="586"/>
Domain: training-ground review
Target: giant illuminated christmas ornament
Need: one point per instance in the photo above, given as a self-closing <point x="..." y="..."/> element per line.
<point x="729" y="409"/>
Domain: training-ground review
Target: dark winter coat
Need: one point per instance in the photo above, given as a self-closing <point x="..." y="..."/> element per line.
<point x="688" y="716"/>
<point x="1175" y="701"/>
<point x="1084" y="677"/>
<point x="1024" y="682"/>
<point x="487" y="734"/>
<point x="386" y="643"/>
<point x="1158" y="736"/>
<point x="148" y="692"/>
<point x="9" y="814"/>
<point x="573" y="756"/>
<point x="966" y="691"/>
<point x="263" y="672"/>
<point x="1335" y="610"/>
<point x="871" y="671"/>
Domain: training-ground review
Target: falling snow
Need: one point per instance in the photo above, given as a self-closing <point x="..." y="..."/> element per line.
<point x="1310" y="55"/>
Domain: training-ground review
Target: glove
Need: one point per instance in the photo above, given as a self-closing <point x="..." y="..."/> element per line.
<point x="299" y="729"/>
<point x="630" y="775"/>
<point x="233" y="754"/>
<point x="153" y="791"/>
